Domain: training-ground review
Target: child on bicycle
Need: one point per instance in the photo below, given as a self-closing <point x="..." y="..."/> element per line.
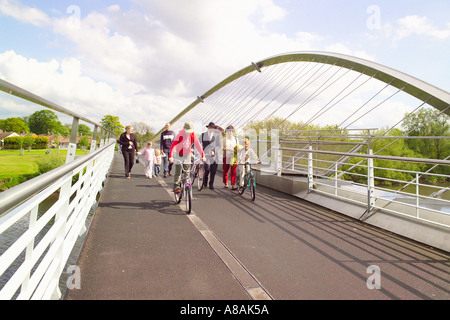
<point x="245" y="155"/>
<point x="181" y="148"/>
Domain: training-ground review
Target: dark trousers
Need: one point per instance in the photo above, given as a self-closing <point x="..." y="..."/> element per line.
<point x="128" y="158"/>
<point x="210" y="170"/>
<point x="167" y="166"/>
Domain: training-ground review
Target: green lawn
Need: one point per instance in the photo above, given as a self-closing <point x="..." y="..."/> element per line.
<point x="15" y="169"/>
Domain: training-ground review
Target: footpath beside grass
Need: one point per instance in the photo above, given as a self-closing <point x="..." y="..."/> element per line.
<point x="15" y="169"/>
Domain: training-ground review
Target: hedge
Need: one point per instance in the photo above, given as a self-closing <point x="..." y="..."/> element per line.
<point x="13" y="143"/>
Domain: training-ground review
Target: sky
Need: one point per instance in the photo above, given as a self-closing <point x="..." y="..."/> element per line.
<point x="146" y="60"/>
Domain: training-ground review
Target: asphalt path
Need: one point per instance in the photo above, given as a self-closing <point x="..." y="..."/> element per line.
<point x="141" y="245"/>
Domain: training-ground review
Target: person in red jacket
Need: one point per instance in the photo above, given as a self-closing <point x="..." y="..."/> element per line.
<point x="181" y="149"/>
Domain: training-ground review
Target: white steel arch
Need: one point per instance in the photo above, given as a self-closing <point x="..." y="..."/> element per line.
<point x="433" y="96"/>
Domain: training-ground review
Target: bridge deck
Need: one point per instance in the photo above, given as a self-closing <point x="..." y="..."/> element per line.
<point x="142" y="246"/>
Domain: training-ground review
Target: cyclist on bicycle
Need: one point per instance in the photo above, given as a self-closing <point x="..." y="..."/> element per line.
<point x="181" y="148"/>
<point x="245" y="155"/>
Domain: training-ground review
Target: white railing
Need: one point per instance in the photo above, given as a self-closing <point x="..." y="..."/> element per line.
<point x="39" y="243"/>
<point x="428" y="208"/>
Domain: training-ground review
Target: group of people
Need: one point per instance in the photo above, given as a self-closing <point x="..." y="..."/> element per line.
<point x="128" y="147"/>
<point x="182" y="145"/>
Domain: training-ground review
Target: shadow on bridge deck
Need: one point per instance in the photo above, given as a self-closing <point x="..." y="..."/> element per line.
<point x="142" y="246"/>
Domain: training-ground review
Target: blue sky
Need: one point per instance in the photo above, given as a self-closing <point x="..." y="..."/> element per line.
<point x="147" y="60"/>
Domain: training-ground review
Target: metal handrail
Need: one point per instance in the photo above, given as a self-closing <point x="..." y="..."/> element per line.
<point x="24" y="94"/>
<point x="16" y="195"/>
<point x="370" y="156"/>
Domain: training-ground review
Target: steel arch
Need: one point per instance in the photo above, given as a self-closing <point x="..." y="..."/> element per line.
<point x="435" y="97"/>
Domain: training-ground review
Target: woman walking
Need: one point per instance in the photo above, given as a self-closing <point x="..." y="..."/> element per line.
<point x="128" y="143"/>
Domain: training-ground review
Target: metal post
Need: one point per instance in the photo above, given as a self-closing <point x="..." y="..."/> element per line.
<point x="417" y="195"/>
<point x="370" y="183"/>
<point x="335" y="178"/>
<point x="73" y="141"/>
<point x="94" y="139"/>
<point x="310" y="170"/>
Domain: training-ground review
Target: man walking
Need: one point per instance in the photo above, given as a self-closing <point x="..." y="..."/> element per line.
<point x="167" y="137"/>
<point x="210" y="141"/>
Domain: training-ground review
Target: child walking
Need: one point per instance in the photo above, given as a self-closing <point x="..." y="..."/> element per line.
<point x="150" y="159"/>
<point x="157" y="162"/>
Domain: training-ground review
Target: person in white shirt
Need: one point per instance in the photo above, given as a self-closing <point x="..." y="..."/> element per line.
<point x="230" y="145"/>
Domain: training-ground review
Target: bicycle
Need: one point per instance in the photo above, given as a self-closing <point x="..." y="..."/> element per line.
<point x="186" y="185"/>
<point x="249" y="181"/>
<point x="198" y="173"/>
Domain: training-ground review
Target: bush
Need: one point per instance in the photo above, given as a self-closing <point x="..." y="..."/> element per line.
<point x="14" y="143"/>
<point x="47" y="163"/>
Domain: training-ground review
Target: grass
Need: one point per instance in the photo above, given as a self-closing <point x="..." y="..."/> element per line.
<point x="15" y="169"/>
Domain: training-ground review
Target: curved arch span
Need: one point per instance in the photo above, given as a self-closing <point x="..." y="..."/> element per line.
<point x="423" y="91"/>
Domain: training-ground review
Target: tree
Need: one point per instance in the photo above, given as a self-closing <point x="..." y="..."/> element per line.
<point x="143" y="131"/>
<point x="84" y="130"/>
<point x="42" y="122"/>
<point x="14" y="125"/>
<point x="428" y="123"/>
<point x="112" y="123"/>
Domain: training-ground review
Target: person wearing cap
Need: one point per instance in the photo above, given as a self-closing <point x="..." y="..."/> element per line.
<point x="210" y="141"/>
<point x="181" y="148"/>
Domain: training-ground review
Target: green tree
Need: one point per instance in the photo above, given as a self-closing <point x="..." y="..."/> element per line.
<point x="14" y="125"/>
<point x="428" y="123"/>
<point x="84" y="142"/>
<point x="143" y="132"/>
<point x="42" y="122"/>
<point x="84" y="130"/>
<point x="112" y="123"/>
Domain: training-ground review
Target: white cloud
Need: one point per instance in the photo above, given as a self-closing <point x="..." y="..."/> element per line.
<point x="421" y="26"/>
<point x="151" y="61"/>
<point x="23" y="13"/>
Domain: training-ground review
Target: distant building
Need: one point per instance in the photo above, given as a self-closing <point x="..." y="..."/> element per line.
<point x="4" y="135"/>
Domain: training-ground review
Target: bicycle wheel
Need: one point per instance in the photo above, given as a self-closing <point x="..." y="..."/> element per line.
<point x="252" y="188"/>
<point x="200" y="173"/>
<point x="240" y="189"/>
<point x="178" y="197"/>
<point x="188" y="199"/>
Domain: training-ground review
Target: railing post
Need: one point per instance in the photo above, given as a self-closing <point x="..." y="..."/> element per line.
<point x="276" y="151"/>
<point x="72" y="149"/>
<point x="62" y="214"/>
<point x="310" y="170"/>
<point x="370" y="183"/>
<point x="417" y="195"/>
<point x="30" y="248"/>
<point x="94" y="139"/>
<point x="335" y="178"/>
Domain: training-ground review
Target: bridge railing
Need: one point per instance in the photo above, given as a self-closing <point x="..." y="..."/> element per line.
<point x="324" y="176"/>
<point x="36" y="241"/>
<point x="42" y="218"/>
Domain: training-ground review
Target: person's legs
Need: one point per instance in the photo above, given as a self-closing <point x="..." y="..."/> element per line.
<point x="207" y="172"/>
<point x="165" y="162"/>
<point x="233" y="175"/>
<point x="177" y="177"/>
<point x="212" y="174"/>
<point x="226" y="169"/>
<point x="126" y="160"/>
